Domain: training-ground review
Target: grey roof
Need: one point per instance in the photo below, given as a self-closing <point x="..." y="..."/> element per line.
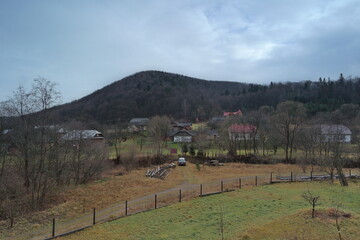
<point x="173" y="133"/>
<point x="139" y="121"/>
<point x="179" y="124"/>
<point x="217" y="119"/>
<point x="334" y="129"/>
<point x="83" y="134"/>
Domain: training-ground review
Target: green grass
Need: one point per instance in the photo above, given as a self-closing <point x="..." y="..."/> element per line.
<point x="211" y="149"/>
<point x="266" y="212"/>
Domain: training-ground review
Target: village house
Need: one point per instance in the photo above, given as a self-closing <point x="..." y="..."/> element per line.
<point x="334" y="133"/>
<point x="182" y="136"/>
<point x="181" y="126"/>
<point x="138" y="124"/>
<point x="241" y="132"/>
<point x="77" y="135"/>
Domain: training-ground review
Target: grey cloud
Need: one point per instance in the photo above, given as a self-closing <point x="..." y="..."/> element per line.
<point x="91" y="43"/>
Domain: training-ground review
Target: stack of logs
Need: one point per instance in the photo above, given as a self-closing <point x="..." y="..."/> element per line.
<point x="160" y="172"/>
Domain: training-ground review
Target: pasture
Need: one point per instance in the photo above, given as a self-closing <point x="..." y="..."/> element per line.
<point x="117" y="185"/>
<point x="275" y="211"/>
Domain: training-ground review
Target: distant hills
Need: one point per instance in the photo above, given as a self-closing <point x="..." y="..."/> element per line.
<point x="151" y="93"/>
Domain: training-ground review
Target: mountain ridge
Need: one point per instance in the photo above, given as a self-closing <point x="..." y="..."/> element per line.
<point x="135" y="91"/>
<point x="150" y="93"/>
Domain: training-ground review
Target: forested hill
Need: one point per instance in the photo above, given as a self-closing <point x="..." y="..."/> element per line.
<point x="150" y="93"/>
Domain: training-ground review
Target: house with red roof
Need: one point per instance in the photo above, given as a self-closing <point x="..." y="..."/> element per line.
<point x="241" y="131"/>
<point x="237" y="113"/>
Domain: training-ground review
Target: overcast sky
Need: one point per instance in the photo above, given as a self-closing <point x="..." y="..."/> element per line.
<point x="84" y="45"/>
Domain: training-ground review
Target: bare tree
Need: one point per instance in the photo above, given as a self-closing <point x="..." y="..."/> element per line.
<point x="264" y="127"/>
<point x="339" y="162"/>
<point x="4" y="142"/>
<point x="45" y="96"/>
<point x="334" y="161"/>
<point x="307" y="141"/>
<point x="86" y="157"/>
<point x="286" y="120"/>
<point x="230" y="140"/>
<point x="32" y="135"/>
<point x="260" y="120"/>
<point x="201" y="141"/>
<point x="312" y="199"/>
<point x="21" y="105"/>
<point x="158" y="130"/>
<point x="257" y="119"/>
<point x="116" y="135"/>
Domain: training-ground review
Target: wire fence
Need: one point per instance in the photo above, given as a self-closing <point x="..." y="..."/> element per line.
<point x="59" y="227"/>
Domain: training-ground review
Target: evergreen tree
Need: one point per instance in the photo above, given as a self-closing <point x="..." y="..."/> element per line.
<point x="192" y="150"/>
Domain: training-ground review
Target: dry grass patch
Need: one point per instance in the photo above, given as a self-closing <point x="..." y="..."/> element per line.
<point x="234" y="170"/>
<point x="331" y="214"/>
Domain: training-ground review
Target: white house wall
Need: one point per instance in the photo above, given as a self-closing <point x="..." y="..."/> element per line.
<point x="182" y="138"/>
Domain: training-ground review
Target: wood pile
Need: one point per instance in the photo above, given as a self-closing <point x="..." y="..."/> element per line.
<point x="160" y="172"/>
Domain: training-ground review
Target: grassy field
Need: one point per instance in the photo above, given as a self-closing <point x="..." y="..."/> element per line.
<point x="267" y="212"/>
<point x="114" y="188"/>
<point x="147" y="149"/>
<point x="133" y="146"/>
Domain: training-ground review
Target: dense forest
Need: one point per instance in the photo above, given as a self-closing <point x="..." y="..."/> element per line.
<point x="150" y="93"/>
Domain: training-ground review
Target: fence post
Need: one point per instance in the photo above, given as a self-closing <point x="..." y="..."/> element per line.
<point x="179" y="195"/>
<point x="291" y="177"/>
<point x="239" y="183"/>
<point x="201" y="189"/>
<point x="53" y="228"/>
<point x="349" y="172"/>
<point x="155" y="201"/>
<point x="222" y="186"/>
<point x="94" y="216"/>
<point x="271" y="177"/>
<point x="255" y="180"/>
<point x="311" y="175"/>
<point x="126" y="208"/>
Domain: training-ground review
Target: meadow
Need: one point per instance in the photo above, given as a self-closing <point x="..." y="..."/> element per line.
<point x="117" y="185"/>
<point x="275" y="211"/>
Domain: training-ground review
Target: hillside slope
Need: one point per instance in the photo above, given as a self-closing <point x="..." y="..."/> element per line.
<point x="150" y="93"/>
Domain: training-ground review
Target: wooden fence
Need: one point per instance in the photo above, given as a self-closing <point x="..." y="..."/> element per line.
<point x="58" y="227"/>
